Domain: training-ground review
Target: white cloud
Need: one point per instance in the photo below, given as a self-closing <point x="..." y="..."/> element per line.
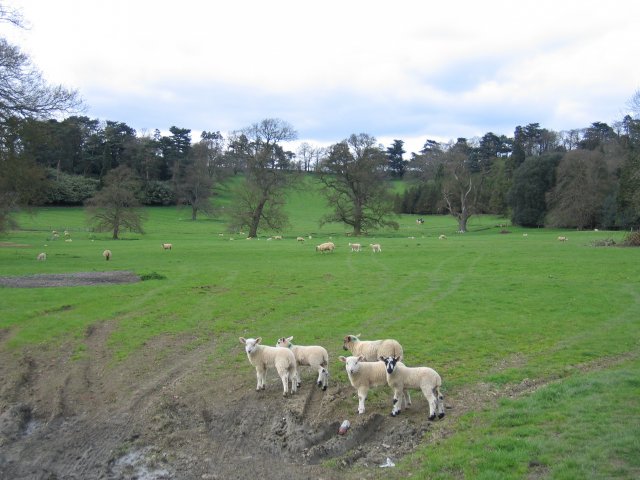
<point x="410" y="69"/>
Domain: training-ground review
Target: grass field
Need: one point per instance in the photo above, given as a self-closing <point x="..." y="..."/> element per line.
<point x="484" y="307"/>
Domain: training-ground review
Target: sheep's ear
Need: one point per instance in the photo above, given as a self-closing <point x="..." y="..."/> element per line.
<point x="358" y="336"/>
<point x="242" y="340"/>
<point x="360" y="358"/>
<point x="290" y="338"/>
<point x="258" y="340"/>
<point x="342" y="359"/>
<point x="381" y="358"/>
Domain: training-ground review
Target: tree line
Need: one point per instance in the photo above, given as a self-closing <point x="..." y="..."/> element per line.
<point x="583" y="178"/>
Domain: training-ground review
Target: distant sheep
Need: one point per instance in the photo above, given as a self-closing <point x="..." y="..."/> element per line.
<point x="262" y="357"/>
<point x="365" y="375"/>
<point x="355" y="247"/>
<point x="375" y="247"/>
<point x="562" y="239"/>
<point x="277" y="237"/>
<point x="300" y="239"/>
<point x="442" y="237"/>
<point x="41" y="257"/>
<point x="400" y="377"/>
<point x="167" y="246"/>
<point x="372" y="349"/>
<point x="325" y="247"/>
<point x="107" y="255"/>
<point x="313" y="356"/>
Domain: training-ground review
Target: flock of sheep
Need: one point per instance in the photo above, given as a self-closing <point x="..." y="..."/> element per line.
<point x="372" y="363"/>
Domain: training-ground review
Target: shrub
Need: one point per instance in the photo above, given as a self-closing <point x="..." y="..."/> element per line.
<point x="632" y="239"/>
<point x="157" y="193"/>
<point x="65" y="189"/>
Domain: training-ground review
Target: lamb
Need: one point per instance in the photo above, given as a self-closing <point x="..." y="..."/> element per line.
<point x="107" y="255"/>
<point x="355" y="247"/>
<point x="372" y="349"/>
<point x="262" y="357"/>
<point x="300" y="239"/>
<point x="562" y="239"/>
<point x="401" y="377"/>
<point x="314" y="356"/>
<point x="41" y="257"/>
<point x="167" y="246"/>
<point x="375" y="247"/>
<point x="442" y="237"/>
<point x="364" y="375"/>
<point x="325" y="247"/>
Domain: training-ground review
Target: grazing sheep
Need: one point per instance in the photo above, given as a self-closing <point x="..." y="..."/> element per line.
<point x="300" y="239"/>
<point x="313" y="356"/>
<point x="442" y="237"/>
<point x="355" y="247"/>
<point x="525" y="234"/>
<point x="365" y="375"/>
<point x="262" y="357"/>
<point x="372" y="349"/>
<point x="277" y="237"/>
<point x="107" y="255"/>
<point x="41" y="257"/>
<point x="325" y="247"/>
<point x="167" y="246"/>
<point x="401" y="377"/>
<point x="562" y="239"/>
<point x="375" y="247"/>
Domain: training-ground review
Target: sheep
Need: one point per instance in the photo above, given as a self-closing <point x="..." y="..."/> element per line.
<point x="262" y="357"/>
<point x="277" y="237"/>
<point x="355" y="247"/>
<point x="365" y="375"/>
<point x="401" y="377"/>
<point x="325" y="247"/>
<point x="372" y="349"/>
<point x="314" y="356"/>
<point x="107" y="255"/>
<point x="375" y="247"/>
<point x="41" y="257"/>
<point x="562" y="239"/>
<point x="442" y="237"/>
<point x="300" y="239"/>
<point x="167" y="246"/>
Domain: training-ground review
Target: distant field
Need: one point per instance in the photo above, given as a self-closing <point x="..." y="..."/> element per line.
<point x="483" y="308"/>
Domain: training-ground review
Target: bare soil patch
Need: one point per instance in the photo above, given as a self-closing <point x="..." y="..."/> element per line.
<point x="70" y="279"/>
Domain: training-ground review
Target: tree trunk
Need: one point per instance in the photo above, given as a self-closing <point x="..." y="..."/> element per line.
<point x="194" y="213"/>
<point x="116" y="230"/>
<point x="255" y="220"/>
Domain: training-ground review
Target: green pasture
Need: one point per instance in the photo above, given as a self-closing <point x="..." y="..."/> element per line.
<point x="482" y="307"/>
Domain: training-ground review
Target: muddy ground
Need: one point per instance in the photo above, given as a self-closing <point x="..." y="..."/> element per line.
<point x="173" y="412"/>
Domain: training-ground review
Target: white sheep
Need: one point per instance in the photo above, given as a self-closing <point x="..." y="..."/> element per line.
<point x="167" y="246"/>
<point x="325" y="247"/>
<point x="365" y="375"/>
<point x="562" y="239"/>
<point x="107" y="255"/>
<point x="372" y="350"/>
<point x="355" y="247"/>
<point x="442" y="237"/>
<point x="262" y="357"/>
<point x="300" y="239"/>
<point x="400" y="377"/>
<point x="41" y="257"/>
<point x="313" y="356"/>
<point x="375" y="247"/>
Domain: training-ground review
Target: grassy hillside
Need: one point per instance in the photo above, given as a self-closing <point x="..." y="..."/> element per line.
<point x="486" y="309"/>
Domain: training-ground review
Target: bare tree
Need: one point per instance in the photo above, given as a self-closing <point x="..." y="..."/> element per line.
<point x="115" y="207"/>
<point x="261" y="197"/>
<point x="353" y="174"/>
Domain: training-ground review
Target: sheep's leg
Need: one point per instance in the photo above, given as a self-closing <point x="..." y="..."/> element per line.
<point x="431" y="398"/>
<point x="260" y="373"/>
<point x="406" y="398"/>
<point x="362" y="396"/>
<point x="322" y="378"/>
<point x="284" y="376"/>
<point x="295" y="379"/>
<point x="440" y="402"/>
<point x="398" y="396"/>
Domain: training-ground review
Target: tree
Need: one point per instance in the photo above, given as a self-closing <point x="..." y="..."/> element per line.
<point x="23" y="91"/>
<point x="354" y="185"/>
<point x="115" y="207"/>
<point x="260" y="198"/>
<point x="583" y="183"/>
<point x="531" y="181"/>
<point x="397" y="164"/>
<point x="459" y="183"/>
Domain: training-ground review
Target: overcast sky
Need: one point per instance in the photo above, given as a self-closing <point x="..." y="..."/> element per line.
<point x="410" y="70"/>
